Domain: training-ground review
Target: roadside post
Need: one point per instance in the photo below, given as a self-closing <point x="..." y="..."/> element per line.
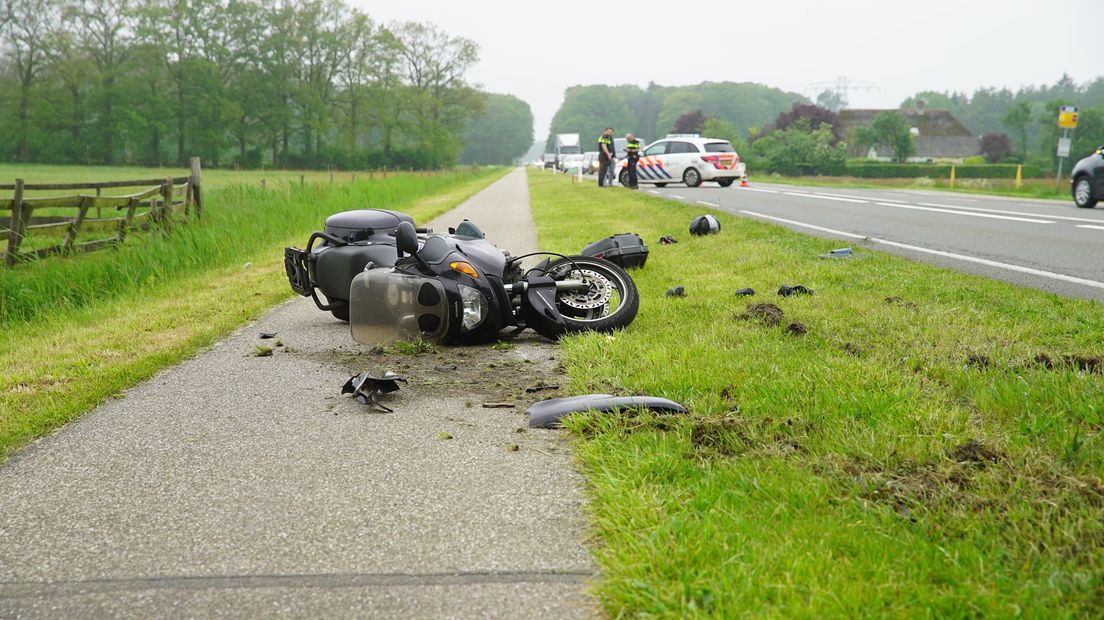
<point x="952" y="175"/>
<point x="1019" y="176"/>
<point x="1067" y="120"/>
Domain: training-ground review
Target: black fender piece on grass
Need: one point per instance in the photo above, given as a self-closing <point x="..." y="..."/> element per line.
<point x="547" y="413"/>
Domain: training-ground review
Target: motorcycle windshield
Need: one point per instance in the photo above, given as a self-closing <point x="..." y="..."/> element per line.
<point x="386" y="306"/>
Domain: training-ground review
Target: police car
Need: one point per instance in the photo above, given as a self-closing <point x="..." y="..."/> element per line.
<point x="686" y="158"/>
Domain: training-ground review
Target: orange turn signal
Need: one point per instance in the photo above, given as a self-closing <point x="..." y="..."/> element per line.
<point x="464" y="268"/>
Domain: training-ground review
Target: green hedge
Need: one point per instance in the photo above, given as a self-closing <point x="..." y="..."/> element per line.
<point x="939" y="171"/>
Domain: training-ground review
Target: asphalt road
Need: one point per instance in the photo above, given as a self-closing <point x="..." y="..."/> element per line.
<point x="1045" y="244"/>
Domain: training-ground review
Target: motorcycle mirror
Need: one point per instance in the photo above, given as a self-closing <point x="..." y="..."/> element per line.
<point x="406" y="239"/>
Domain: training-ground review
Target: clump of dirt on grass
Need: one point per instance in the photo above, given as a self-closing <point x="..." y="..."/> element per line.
<point x="766" y="314"/>
<point x="797" y="328"/>
<point x="1084" y="363"/>
<point x="852" y="349"/>
<point x="719" y="436"/>
<point x="977" y="360"/>
<point x="973" y="451"/>
<point x="731" y="436"/>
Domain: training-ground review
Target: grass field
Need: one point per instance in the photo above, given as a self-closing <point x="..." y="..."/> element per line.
<point x="76" y="330"/>
<point x="213" y="178"/>
<point x="907" y="442"/>
<point x="1031" y="188"/>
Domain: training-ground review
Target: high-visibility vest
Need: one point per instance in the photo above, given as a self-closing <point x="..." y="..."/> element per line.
<point x="605" y="140"/>
<point x="633" y="145"/>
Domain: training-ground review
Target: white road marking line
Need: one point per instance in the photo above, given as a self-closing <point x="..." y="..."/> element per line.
<point x="969" y="213"/>
<point x="677" y="197"/>
<point x="652" y="191"/>
<point x="963" y="257"/>
<point x="756" y="189"/>
<point x="863" y="199"/>
<point x="708" y="204"/>
<point x="1090" y="226"/>
<point x="1053" y="217"/>
<point x="891" y="200"/>
<point x="802" y="224"/>
<point x="827" y="197"/>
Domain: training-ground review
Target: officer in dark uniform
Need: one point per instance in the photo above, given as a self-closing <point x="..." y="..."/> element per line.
<point x="632" y="151"/>
<point x="605" y="155"/>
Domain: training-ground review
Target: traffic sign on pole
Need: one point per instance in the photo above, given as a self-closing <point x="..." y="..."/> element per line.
<point x="1067" y="117"/>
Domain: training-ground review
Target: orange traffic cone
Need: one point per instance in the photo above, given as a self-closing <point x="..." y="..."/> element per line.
<point x="744" y="181"/>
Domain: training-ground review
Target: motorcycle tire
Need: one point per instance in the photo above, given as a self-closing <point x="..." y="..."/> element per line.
<point x="572" y="306"/>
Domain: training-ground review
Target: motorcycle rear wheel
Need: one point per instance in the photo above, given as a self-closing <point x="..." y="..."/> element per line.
<point x="610" y="303"/>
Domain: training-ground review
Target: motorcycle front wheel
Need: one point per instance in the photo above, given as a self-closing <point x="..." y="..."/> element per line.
<point x="610" y="302"/>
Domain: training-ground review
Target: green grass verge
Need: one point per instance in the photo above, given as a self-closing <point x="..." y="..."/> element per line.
<point x="1031" y="188"/>
<point x="78" y="330"/>
<point x="930" y="447"/>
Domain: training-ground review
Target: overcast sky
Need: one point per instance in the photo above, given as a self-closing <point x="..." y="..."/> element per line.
<point x="536" y="49"/>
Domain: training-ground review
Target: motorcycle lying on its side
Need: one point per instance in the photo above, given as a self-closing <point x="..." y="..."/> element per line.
<point x="393" y="283"/>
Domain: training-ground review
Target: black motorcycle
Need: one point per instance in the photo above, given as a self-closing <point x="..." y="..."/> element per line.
<point x="395" y="282"/>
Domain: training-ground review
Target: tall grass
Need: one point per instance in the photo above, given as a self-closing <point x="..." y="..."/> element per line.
<point x="237" y="221"/>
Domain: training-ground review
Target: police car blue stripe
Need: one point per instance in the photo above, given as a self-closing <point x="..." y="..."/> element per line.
<point x="643" y="170"/>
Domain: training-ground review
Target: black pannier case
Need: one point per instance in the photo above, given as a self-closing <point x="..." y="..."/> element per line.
<point x="626" y="249"/>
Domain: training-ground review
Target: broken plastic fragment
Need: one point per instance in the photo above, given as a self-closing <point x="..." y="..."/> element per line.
<point x="678" y="291"/>
<point x="667" y="240"/>
<point x="365" y="388"/>
<point x="840" y="253"/>
<point x="267" y="335"/>
<point x="745" y="292"/>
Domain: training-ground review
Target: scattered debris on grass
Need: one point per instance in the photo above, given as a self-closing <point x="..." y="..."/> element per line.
<point x="445" y="367"/>
<point x="513" y="447"/>
<point x="267" y="335"/>
<point x="1084" y="363"/>
<point x="897" y="301"/>
<point x="678" y="291"/>
<point x="797" y="328"/>
<point x="278" y="343"/>
<point x="444" y="436"/>
<point x="262" y="351"/>
<point x="416" y="347"/>
<point x="840" y="253"/>
<point x="745" y="292"/>
<point x="797" y="289"/>
<point x="853" y="349"/>
<point x="667" y="240"/>
<point x="767" y="314"/>
<point x="502" y="345"/>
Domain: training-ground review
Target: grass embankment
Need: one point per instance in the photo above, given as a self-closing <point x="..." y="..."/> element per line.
<point x="1031" y="188"/>
<point x="930" y="447"/>
<point x="74" y="331"/>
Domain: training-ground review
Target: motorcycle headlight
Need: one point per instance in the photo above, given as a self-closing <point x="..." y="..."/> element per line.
<point x="475" y="307"/>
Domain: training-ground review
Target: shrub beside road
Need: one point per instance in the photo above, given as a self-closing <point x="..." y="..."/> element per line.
<point x="77" y="330"/>
<point x="908" y="441"/>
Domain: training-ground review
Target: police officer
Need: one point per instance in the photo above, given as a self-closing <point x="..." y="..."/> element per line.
<point x="632" y="151"/>
<point x="605" y="155"/>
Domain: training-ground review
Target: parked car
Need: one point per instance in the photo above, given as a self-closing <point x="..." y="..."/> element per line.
<point x="1088" y="180"/>
<point x="688" y="159"/>
<point x="590" y="166"/>
<point x="572" y="163"/>
<point x="549" y="160"/>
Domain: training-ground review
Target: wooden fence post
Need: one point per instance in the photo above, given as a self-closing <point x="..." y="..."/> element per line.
<point x="166" y="205"/>
<point x="197" y="187"/>
<point x="17" y="226"/>
<point x="128" y="219"/>
<point x="74" y="226"/>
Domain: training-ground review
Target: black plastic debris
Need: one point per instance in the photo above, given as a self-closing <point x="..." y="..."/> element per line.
<point x="678" y="291"/>
<point x="704" y="225"/>
<point x="365" y="388"/>
<point x="541" y="388"/>
<point x="667" y="240"/>
<point x="745" y="292"/>
<point x="547" y="413"/>
<point x="267" y="335"/>
<point x="797" y="289"/>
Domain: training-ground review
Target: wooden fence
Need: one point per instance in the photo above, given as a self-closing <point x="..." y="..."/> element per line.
<point x="155" y="205"/>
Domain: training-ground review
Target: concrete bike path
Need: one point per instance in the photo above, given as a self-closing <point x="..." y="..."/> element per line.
<point x="244" y="486"/>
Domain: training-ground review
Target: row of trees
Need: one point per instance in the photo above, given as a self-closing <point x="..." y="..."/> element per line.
<point x="1026" y="116"/>
<point x="652" y="112"/>
<point x="287" y="83"/>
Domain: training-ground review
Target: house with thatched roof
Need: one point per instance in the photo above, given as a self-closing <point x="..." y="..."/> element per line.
<point x="939" y="135"/>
